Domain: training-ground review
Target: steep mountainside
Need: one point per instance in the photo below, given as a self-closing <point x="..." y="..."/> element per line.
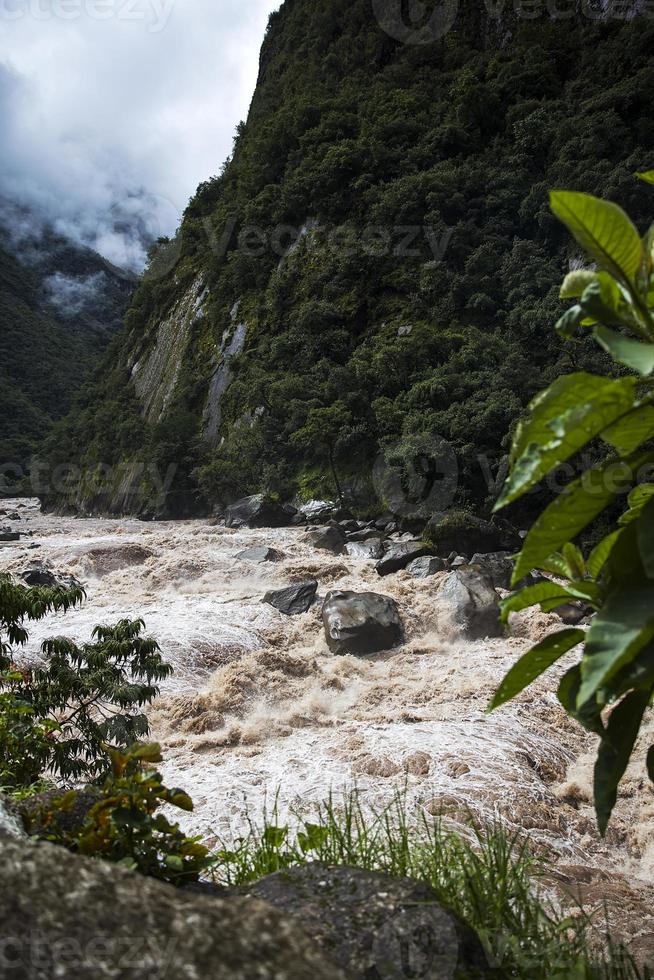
<point x="376" y="265"/>
<point x="60" y="304"/>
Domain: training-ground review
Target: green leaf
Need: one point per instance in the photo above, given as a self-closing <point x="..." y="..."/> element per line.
<point x="632" y="431"/>
<point x="534" y="663"/>
<point x="623" y="626"/>
<point x="275" y="836"/>
<point x="603" y="229"/>
<point x="615" y="751"/>
<point x="645" y="537"/>
<point x="632" y="353"/>
<point x="534" y="595"/>
<point x="589" y="715"/>
<point x="576" y="282"/>
<point x="574" y="560"/>
<point x="638" y="497"/>
<point x="571" y="320"/>
<point x="563" y="419"/>
<point x="567" y="515"/>
<point x="650" y="763"/>
<point x="556" y="565"/>
<point x="174" y="862"/>
<point x="599" y="555"/>
<point x="313" y="837"/>
<point x="647" y="176"/>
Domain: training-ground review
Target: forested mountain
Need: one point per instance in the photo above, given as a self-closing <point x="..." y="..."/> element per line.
<point x="420" y="287"/>
<point x="60" y="304"/>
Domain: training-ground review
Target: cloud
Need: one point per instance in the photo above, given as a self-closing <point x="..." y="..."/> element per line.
<point x="113" y="111"/>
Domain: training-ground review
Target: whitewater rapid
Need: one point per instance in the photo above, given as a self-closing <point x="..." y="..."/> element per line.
<point x="258" y="709"/>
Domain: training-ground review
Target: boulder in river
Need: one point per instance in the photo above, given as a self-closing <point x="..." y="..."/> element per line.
<point x="40" y="574"/>
<point x="497" y="565"/>
<point x="76" y="918"/>
<point x="330" y="539"/>
<point x="258" y="511"/>
<point x="294" y="600"/>
<point x="372" y="925"/>
<point x="467" y="604"/>
<point x="466" y="534"/>
<point x="370" y="550"/>
<point x="361" y="622"/>
<point x="400" y="554"/>
<point x="7" y="534"/>
<point x="257" y="556"/>
<point x="426" y="567"/>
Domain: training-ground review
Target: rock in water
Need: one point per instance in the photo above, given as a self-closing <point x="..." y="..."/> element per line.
<point x="426" y="567"/>
<point x="330" y="539"/>
<point x="399" y="555"/>
<point x="497" y="565"/>
<point x="40" y="574"/>
<point x="374" y="926"/>
<point x="361" y="622"/>
<point x="78" y="919"/>
<point x="259" y="555"/>
<point x="294" y="600"/>
<point x="258" y="511"/>
<point x="467" y="604"/>
<point x="6" y="534"/>
<point x="370" y="550"/>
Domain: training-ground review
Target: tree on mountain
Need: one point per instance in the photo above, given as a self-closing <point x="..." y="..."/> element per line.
<point x="320" y="435"/>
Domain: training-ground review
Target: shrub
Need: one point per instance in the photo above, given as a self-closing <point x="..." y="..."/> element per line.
<point x="616" y="670"/>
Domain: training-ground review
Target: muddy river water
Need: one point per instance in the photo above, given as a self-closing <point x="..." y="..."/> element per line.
<point x="258" y="707"/>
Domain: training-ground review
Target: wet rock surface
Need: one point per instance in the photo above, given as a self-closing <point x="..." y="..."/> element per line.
<point x="258" y="511"/>
<point x="257" y="556"/>
<point x="468" y="604"/>
<point x="294" y="600"/>
<point x="361" y="623"/>
<point x="426" y="567"/>
<point x="400" y="554"/>
<point x="70" y="917"/>
<point x="497" y="565"/>
<point x="374" y="926"/>
<point x="330" y="539"/>
<point x="43" y="575"/>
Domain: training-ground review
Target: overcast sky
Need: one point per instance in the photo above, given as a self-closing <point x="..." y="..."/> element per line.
<point x="111" y="108"/>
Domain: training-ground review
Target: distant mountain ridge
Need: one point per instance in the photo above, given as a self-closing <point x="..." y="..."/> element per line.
<point x="60" y="305"/>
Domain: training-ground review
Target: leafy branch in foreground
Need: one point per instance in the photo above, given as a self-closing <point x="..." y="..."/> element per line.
<point x="56" y="718"/>
<point x="615" y="303"/>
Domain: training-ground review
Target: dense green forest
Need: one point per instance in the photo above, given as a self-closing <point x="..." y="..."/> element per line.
<point x="59" y="306"/>
<point x="418" y="298"/>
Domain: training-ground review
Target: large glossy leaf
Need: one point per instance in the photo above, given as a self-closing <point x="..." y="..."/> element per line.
<point x="647" y="176"/>
<point x="638" y="498"/>
<point x="566" y="516"/>
<point x="631" y="431"/>
<point x="534" y="595"/>
<point x="615" y="751"/>
<point x="572" y="412"/>
<point x="600" y="554"/>
<point x="623" y="626"/>
<point x="534" y="663"/>
<point x="645" y="537"/>
<point x="632" y="353"/>
<point x="603" y="230"/>
<point x="589" y="715"/>
<point x="576" y="282"/>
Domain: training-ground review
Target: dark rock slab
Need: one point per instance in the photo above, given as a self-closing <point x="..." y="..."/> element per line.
<point x="400" y="554"/>
<point x="361" y="622"/>
<point x="426" y="567"/>
<point x="497" y="565"/>
<point x="76" y="918"/>
<point x="8" y="534"/>
<point x="41" y="575"/>
<point x="467" y="604"/>
<point x="294" y="600"/>
<point x="372" y="549"/>
<point x="258" y="556"/>
<point x="374" y="926"/>
<point x="330" y="539"/>
<point x="466" y="534"/>
<point x="258" y="511"/>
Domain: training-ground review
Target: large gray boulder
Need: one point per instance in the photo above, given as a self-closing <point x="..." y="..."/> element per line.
<point x="361" y="622"/>
<point x="400" y="554"/>
<point x="7" y="534"/>
<point x="330" y="539"/>
<point x="294" y="600"/>
<point x="426" y="567"/>
<point x="257" y="556"/>
<point x="466" y="534"/>
<point x="11" y="823"/>
<point x="373" y="926"/>
<point x="258" y="511"/>
<point x="370" y="550"/>
<point x="78" y="919"/>
<point x="41" y="574"/>
<point x="467" y="604"/>
<point x="497" y="565"/>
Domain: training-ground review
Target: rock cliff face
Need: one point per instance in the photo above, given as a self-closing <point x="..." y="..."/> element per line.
<point x="376" y="266"/>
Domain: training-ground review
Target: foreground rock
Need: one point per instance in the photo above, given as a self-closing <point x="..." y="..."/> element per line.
<point x="497" y="565"/>
<point x="294" y="600"/>
<point x="7" y="534"/>
<point x="361" y="622"/>
<point x="468" y="605"/>
<point x="258" y="511"/>
<point x="69" y="917"/>
<point x="374" y="926"/>
<point x="370" y="550"/>
<point x="399" y="555"/>
<point x="257" y="556"/>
